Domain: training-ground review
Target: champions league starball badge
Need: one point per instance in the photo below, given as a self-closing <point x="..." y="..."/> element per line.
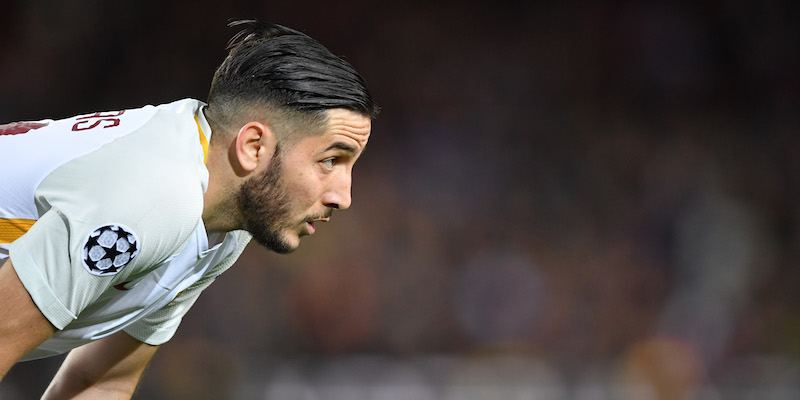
<point x="108" y="249"/>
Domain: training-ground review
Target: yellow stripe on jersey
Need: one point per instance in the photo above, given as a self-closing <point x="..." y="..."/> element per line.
<point x="203" y="140"/>
<point x="179" y="294"/>
<point x="12" y="229"/>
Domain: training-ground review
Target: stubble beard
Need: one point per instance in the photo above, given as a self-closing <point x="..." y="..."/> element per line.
<point x="264" y="202"/>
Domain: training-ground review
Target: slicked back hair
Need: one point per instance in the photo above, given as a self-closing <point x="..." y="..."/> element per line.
<point x="276" y="72"/>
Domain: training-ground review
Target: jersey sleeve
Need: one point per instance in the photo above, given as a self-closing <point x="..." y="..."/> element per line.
<point x="159" y="326"/>
<point x="57" y="260"/>
<point x="42" y="245"/>
<point x="108" y="216"/>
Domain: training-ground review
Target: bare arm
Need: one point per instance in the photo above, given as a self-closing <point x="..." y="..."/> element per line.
<point x="109" y="368"/>
<point x="22" y="325"/>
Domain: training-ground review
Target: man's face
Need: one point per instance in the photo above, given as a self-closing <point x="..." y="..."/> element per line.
<point x="304" y="184"/>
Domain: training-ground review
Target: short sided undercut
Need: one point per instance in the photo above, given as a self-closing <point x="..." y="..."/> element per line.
<point x="284" y="75"/>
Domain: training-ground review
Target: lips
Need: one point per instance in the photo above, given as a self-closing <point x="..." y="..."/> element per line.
<point x="311" y="222"/>
<point x="311" y="227"/>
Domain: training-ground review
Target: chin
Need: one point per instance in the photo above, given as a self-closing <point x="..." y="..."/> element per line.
<point x="290" y="247"/>
<point x="280" y="244"/>
<point x="284" y="250"/>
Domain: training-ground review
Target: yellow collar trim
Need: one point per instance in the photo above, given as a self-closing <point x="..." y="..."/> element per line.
<point x="203" y="140"/>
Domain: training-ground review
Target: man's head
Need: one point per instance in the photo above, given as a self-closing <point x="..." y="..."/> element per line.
<point x="279" y="73"/>
<point x="292" y="119"/>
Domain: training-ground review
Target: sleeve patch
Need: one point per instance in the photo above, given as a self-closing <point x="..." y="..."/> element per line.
<point x="108" y="249"/>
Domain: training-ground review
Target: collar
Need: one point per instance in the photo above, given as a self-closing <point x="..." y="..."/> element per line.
<point x="204" y="131"/>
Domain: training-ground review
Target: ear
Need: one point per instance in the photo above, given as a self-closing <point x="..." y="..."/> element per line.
<point x="255" y="143"/>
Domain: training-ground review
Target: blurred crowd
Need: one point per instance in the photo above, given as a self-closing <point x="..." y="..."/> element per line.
<point x="599" y="195"/>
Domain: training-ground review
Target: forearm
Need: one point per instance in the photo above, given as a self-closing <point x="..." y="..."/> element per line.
<point x="63" y="388"/>
<point x="107" y="369"/>
<point x="22" y="326"/>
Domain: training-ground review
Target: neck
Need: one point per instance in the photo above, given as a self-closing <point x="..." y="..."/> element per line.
<point x="219" y="202"/>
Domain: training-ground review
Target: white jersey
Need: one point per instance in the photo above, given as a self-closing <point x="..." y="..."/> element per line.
<point x="101" y="216"/>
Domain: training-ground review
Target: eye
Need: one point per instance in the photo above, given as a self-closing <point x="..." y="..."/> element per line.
<point x="328" y="163"/>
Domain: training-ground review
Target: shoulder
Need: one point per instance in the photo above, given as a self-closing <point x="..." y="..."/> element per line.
<point x="37" y="148"/>
<point x="149" y="180"/>
<point x="139" y="154"/>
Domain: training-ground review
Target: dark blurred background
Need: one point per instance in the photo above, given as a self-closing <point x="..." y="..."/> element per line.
<point x="560" y="200"/>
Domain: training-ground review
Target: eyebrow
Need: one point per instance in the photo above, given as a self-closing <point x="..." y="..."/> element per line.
<point x="344" y="147"/>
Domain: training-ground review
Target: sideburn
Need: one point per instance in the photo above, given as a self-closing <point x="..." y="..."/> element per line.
<point x="264" y="205"/>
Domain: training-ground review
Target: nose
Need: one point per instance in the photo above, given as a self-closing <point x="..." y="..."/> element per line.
<point x="338" y="195"/>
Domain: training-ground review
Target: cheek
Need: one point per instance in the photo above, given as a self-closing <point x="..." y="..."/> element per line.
<point x="304" y="189"/>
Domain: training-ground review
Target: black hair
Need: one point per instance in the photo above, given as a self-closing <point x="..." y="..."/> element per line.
<point x="281" y="68"/>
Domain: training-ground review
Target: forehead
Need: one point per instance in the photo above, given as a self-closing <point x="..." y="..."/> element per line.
<point x="348" y="126"/>
<point x="343" y="131"/>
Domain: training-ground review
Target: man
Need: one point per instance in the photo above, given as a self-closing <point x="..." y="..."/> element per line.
<point x="112" y="223"/>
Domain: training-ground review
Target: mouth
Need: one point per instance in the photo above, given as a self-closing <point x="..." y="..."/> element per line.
<point x="311" y="224"/>
<point x="310" y="227"/>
